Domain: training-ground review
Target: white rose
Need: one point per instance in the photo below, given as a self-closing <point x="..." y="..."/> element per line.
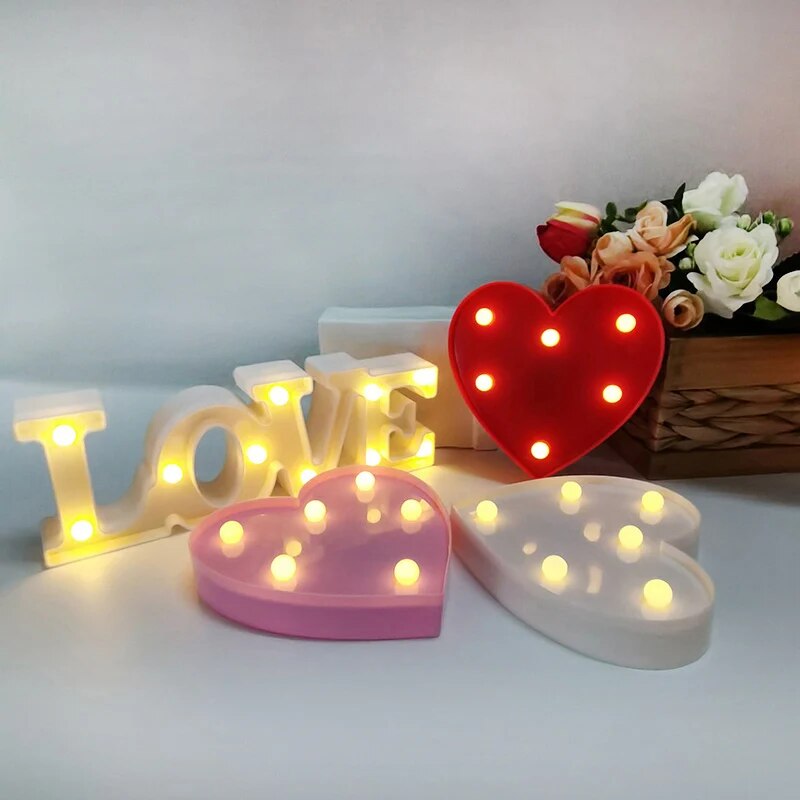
<point x="716" y="198"/>
<point x="789" y="291"/>
<point x="735" y="264"/>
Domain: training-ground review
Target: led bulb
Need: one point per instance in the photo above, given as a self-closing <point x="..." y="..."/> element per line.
<point x="231" y="532"/>
<point x="484" y="382"/>
<point x="424" y="377"/>
<point x="365" y="481"/>
<point x="256" y="454"/>
<point x="484" y="316"/>
<point x="64" y="435"/>
<point x="372" y="457"/>
<point x="373" y="392"/>
<point x="550" y="337"/>
<point x="554" y="569"/>
<point x="172" y="473"/>
<point x="657" y="594"/>
<point x="315" y="511"/>
<point x="278" y="396"/>
<point x="306" y="475"/>
<point x="529" y="548"/>
<point x="612" y="393"/>
<point x="373" y="516"/>
<point x="426" y="449"/>
<point x="81" y="530"/>
<point x="625" y="323"/>
<point x="540" y="450"/>
<point x="411" y="510"/>
<point x="406" y="572"/>
<point x="294" y="548"/>
<point x="486" y="511"/>
<point x="630" y="537"/>
<point x="653" y="501"/>
<point x="571" y="491"/>
<point x="283" y="567"/>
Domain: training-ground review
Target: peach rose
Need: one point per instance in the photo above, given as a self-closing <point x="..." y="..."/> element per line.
<point x="574" y="276"/>
<point x="682" y="310"/>
<point x="610" y="248"/>
<point x="651" y="234"/>
<point x="645" y="272"/>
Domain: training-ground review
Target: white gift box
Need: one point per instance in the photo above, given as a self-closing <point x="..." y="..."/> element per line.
<point x="369" y="332"/>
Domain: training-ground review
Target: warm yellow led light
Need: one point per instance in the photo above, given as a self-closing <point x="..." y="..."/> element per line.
<point x="424" y="377"/>
<point x="256" y="454"/>
<point x="653" y="501"/>
<point x="306" y="475"/>
<point x="81" y="530"/>
<point x="657" y="594"/>
<point x="172" y="473"/>
<point x="365" y="481"/>
<point x="484" y="316"/>
<point x="278" y="395"/>
<point x="591" y="531"/>
<point x="372" y="457"/>
<point x="283" y="567"/>
<point x="315" y="511"/>
<point x="426" y="448"/>
<point x="529" y="548"/>
<point x="625" y="323"/>
<point x="406" y="572"/>
<point x="612" y="393"/>
<point x="540" y="450"/>
<point x="411" y="510"/>
<point x="293" y="548"/>
<point x="554" y="569"/>
<point x="231" y="532"/>
<point x="550" y="337"/>
<point x="630" y="537"/>
<point x="484" y="382"/>
<point x="373" y="392"/>
<point x="373" y="515"/>
<point x="486" y="511"/>
<point x="64" y="435"/>
<point x="571" y="491"/>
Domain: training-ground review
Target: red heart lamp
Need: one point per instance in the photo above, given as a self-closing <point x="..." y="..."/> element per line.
<point x="549" y="386"/>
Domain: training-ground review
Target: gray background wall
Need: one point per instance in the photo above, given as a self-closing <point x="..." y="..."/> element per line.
<point x="184" y="186"/>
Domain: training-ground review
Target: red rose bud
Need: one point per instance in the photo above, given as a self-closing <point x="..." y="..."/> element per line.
<point x="570" y="231"/>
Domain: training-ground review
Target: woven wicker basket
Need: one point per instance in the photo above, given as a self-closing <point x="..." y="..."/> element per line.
<point x="721" y="406"/>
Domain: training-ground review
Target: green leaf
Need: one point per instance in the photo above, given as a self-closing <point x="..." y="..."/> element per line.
<point x="769" y="310"/>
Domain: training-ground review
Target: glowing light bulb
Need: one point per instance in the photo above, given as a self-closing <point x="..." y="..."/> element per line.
<point x="630" y="537"/>
<point x="372" y="457"/>
<point x="306" y="475"/>
<point x="426" y="448"/>
<point x="612" y="393"/>
<point x="231" y="532"/>
<point x="625" y="323"/>
<point x="591" y="531"/>
<point x="411" y="510"/>
<point x="81" y="530"/>
<point x="373" y="392"/>
<point x="540" y="450"/>
<point x="484" y="382"/>
<point x="554" y="569"/>
<point x="315" y="511"/>
<point x="365" y="481"/>
<point x="529" y="548"/>
<point x="278" y="395"/>
<point x="406" y="572"/>
<point x="550" y="337"/>
<point x="484" y="316"/>
<point x="283" y="567"/>
<point x="172" y="473"/>
<point x="657" y="594"/>
<point x="64" y="435"/>
<point x="653" y="501"/>
<point x="373" y="516"/>
<point x="293" y="548"/>
<point x="486" y="511"/>
<point x="571" y="491"/>
<point x="424" y="377"/>
<point x="256" y="454"/>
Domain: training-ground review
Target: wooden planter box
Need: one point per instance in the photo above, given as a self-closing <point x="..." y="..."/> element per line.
<point x="721" y="406"/>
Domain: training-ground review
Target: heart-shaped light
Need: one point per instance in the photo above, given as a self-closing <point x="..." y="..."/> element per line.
<point x="359" y="554"/>
<point x="549" y="386"/>
<point x="602" y="565"/>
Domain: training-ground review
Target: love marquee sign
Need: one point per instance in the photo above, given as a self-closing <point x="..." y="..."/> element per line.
<point x="360" y="413"/>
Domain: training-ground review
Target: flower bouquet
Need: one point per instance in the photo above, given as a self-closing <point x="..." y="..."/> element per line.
<point x="728" y="400"/>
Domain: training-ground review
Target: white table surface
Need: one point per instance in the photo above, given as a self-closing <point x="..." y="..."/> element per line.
<point x="116" y="683"/>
